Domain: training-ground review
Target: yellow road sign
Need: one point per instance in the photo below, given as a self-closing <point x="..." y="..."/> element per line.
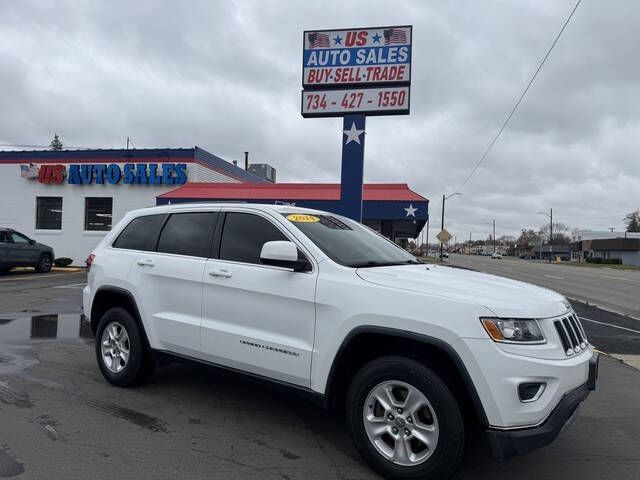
<point x="444" y="236"/>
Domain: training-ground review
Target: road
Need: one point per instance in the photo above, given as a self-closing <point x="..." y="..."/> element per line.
<point x="60" y="420"/>
<point x="615" y="290"/>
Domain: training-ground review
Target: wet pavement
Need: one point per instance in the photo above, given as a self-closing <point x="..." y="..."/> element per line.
<point x="59" y="419"/>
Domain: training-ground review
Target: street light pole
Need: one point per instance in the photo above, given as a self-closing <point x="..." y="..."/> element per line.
<point x="444" y="198"/>
<point x="428" y="221"/>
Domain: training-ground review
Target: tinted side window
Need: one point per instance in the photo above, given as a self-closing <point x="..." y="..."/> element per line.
<point x="188" y="234"/>
<point x="17" y="238"/>
<point x="141" y="233"/>
<point x="244" y="235"/>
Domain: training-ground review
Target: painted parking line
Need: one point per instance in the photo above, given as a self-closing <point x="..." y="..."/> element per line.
<point x="553" y="276"/>
<point x="610" y="325"/>
<point x="72" y="286"/>
<point x="15" y="279"/>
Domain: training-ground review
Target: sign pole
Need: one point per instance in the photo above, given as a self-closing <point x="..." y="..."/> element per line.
<point x="351" y="180"/>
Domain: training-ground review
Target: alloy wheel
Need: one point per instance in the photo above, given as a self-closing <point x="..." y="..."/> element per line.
<point x="115" y="347"/>
<point x="401" y="423"/>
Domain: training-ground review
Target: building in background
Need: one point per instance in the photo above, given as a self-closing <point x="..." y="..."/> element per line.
<point x="394" y="210"/>
<point x="70" y="199"/>
<point x="607" y="247"/>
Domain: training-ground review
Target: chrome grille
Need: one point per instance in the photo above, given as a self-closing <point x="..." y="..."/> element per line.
<point x="571" y="334"/>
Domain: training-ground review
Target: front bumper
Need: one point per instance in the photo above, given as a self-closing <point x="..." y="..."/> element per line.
<point x="508" y="443"/>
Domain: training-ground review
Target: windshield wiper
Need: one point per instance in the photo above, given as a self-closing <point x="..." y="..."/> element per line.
<point x="374" y="263"/>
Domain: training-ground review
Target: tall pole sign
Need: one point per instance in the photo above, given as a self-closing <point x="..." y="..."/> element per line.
<point x="353" y="74"/>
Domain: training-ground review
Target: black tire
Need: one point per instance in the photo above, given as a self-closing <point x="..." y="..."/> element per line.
<point x="45" y="262"/>
<point x="140" y="364"/>
<point x="447" y="455"/>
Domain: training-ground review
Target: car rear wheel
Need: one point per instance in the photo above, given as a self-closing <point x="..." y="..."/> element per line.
<point x="404" y="420"/>
<point x="44" y="263"/>
<point x="122" y="355"/>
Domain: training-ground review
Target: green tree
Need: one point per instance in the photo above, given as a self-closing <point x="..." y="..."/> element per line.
<point x="633" y="221"/>
<point x="56" y="144"/>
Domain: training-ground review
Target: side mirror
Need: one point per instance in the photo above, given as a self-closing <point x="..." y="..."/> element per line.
<point x="31" y="241"/>
<point x="284" y="254"/>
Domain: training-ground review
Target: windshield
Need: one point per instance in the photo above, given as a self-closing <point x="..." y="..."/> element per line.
<point x="348" y="242"/>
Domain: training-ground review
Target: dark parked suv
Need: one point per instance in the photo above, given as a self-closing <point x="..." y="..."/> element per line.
<point x="18" y="250"/>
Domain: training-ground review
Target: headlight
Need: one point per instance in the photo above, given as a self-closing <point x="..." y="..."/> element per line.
<point x="513" y="330"/>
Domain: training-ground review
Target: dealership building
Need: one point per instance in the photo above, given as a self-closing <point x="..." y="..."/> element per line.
<point x="69" y="199"/>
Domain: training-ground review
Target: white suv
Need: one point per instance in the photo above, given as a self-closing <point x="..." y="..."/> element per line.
<point x="413" y="354"/>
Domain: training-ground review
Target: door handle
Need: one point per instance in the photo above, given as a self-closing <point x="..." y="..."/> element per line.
<point x="220" y="273"/>
<point x="144" y="262"/>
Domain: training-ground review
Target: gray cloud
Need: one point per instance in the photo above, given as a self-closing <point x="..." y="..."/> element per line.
<point x="226" y="76"/>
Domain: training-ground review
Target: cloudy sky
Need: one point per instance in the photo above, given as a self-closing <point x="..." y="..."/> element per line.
<point x="226" y="76"/>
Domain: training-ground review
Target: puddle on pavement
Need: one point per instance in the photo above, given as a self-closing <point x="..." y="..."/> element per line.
<point x="17" y="335"/>
<point x="44" y="327"/>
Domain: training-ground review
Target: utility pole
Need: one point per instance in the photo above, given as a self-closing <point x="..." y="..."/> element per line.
<point x="127" y="142"/>
<point x="469" y="243"/>
<point x="442" y="223"/>
<point x="550" y="235"/>
<point x="494" y="236"/>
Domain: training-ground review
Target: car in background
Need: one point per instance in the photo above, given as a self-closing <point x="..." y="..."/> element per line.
<point x="18" y="250"/>
<point x="496" y="256"/>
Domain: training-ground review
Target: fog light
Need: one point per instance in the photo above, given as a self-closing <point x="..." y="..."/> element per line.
<point x="530" y="391"/>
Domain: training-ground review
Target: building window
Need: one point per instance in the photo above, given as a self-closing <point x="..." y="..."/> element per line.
<point x="48" y="213"/>
<point x="97" y="213"/>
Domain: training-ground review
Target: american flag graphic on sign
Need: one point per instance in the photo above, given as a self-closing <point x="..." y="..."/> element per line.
<point x="394" y="35"/>
<point x="29" y="171"/>
<point x="318" y="40"/>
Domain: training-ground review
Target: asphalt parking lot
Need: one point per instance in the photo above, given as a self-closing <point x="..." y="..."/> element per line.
<point x="60" y="419"/>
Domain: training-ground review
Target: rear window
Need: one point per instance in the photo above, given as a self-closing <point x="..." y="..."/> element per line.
<point x="141" y="233"/>
<point x="188" y="234"/>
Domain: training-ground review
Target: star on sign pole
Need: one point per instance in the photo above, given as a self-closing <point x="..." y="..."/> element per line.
<point x="411" y="212"/>
<point x="376" y="38"/>
<point x="337" y="40"/>
<point x="353" y="134"/>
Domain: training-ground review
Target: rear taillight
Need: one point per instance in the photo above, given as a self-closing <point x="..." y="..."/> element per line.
<point x="89" y="261"/>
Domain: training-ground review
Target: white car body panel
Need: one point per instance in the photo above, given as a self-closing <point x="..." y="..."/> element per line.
<point x="261" y="319"/>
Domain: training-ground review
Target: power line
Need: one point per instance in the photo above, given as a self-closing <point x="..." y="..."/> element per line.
<point x="524" y="92"/>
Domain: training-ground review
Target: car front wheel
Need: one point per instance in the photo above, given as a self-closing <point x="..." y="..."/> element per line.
<point x="404" y="420"/>
<point x="44" y="263"/>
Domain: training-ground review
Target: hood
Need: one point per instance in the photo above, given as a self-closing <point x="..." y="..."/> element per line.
<point x="504" y="297"/>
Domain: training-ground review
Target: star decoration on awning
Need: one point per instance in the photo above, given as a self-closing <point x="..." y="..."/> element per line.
<point x="411" y="212"/>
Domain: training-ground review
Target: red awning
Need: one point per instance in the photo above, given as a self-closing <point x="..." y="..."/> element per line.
<point x="290" y="191"/>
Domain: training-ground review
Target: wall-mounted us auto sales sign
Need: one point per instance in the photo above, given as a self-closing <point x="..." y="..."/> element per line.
<point x="360" y="56"/>
<point x="371" y="101"/>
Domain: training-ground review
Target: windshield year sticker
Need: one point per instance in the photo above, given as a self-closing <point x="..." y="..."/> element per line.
<point x="297" y="217"/>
